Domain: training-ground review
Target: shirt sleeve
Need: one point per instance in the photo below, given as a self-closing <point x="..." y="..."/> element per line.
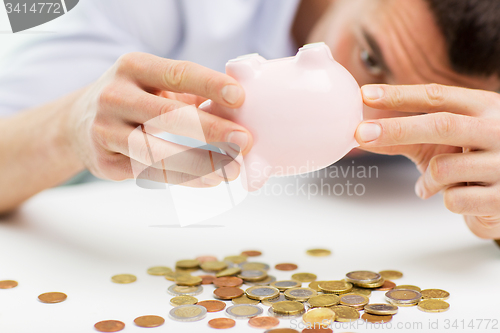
<point x="77" y="48"/>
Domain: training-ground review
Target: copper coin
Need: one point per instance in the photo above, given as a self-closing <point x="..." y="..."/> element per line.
<point x="286" y="267"/>
<point x="317" y="330"/>
<point x="52" y="297"/>
<point x="228" y="292"/>
<point x="263" y="322"/>
<point x="221" y="323"/>
<point x="251" y="253"/>
<point x="109" y="326"/>
<point x="203" y="259"/>
<point x="207" y="279"/>
<point x="228" y="281"/>
<point x="149" y="321"/>
<point x="7" y="284"/>
<point x="388" y="285"/>
<point x="376" y="319"/>
<point x="213" y="306"/>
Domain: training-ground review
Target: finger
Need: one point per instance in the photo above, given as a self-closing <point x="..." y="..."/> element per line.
<point x="174" y="117"/>
<point x="484" y="227"/>
<point x="428" y="98"/>
<point x="160" y="154"/>
<point x="448" y="169"/>
<point x="473" y="200"/>
<point x="156" y="73"/>
<point x="438" y="128"/>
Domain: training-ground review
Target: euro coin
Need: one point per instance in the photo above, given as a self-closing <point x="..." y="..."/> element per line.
<point x="286" y="267"/>
<point x="221" y="323"/>
<point x="188" y="264"/>
<point x="319" y="317"/>
<point x="53" y="297"/>
<point x="335" y="287"/>
<point x="374" y="319"/>
<point x="408" y="286"/>
<point x="253" y="275"/>
<point x="213" y="306"/>
<point x="435" y="294"/>
<point x="271" y="312"/>
<point x="356" y="301"/>
<point x="228" y="292"/>
<point x="318" y="252"/>
<point x="159" y="270"/>
<point x="388" y="285"/>
<point x="207" y="279"/>
<point x="245" y="300"/>
<point x="213" y="266"/>
<point x="251" y="253"/>
<point x="183" y="300"/>
<point x="243" y="311"/>
<point x="271" y="301"/>
<point x="228" y="281"/>
<point x="266" y="282"/>
<point x="188" y="313"/>
<point x="263" y="322"/>
<point x="254" y="265"/>
<point x="323" y="301"/>
<point x="433" y="305"/>
<point x="381" y="309"/>
<point x="300" y="294"/>
<point x="171" y="276"/>
<point x="189" y="280"/>
<point x="362" y="277"/>
<point x="109" y="326"/>
<point x="123" y="278"/>
<point x="236" y="259"/>
<point x="184" y="290"/>
<point x="288" y="307"/>
<point x="403" y="296"/>
<point x="262" y="292"/>
<point x="304" y="277"/>
<point x="391" y="275"/>
<point x="345" y="314"/>
<point x="371" y="285"/>
<point x="8" y="284"/>
<point x="361" y="291"/>
<point x="203" y="259"/>
<point x="228" y="272"/>
<point x="149" y="321"/>
<point x="285" y="284"/>
<point x="315" y="285"/>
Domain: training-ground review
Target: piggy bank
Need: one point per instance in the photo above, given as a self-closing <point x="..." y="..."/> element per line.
<point x="302" y="112"/>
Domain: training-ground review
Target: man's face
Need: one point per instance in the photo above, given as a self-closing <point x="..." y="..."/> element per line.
<point x="392" y="42"/>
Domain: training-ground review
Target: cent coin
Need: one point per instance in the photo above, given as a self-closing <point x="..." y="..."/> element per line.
<point x="286" y="267"/>
<point x="221" y="323"/>
<point x="52" y="297"/>
<point x="263" y="322"/>
<point x="251" y="253"/>
<point x="243" y="311"/>
<point x="149" y="321"/>
<point x="381" y="309"/>
<point x="8" y="284"/>
<point x="188" y="313"/>
<point x="228" y="281"/>
<point x="376" y="319"/>
<point x="109" y="326"/>
<point x="228" y="292"/>
<point x="124" y="278"/>
<point x="213" y="306"/>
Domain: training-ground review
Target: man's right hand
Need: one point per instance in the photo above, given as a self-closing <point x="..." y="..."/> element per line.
<point x="141" y="88"/>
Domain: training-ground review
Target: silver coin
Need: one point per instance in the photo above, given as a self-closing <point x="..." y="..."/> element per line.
<point x="252" y="274"/>
<point x="188" y="313"/>
<point x="403" y="296"/>
<point x="300" y="294"/>
<point x="184" y="290"/>
<point x="352" y="299"/>
<point x="267" y="281"/>
<point x="254" y="265"/>
<point x="270" y="301"/>
<point x="286" y="284"/>
<point x="363" y="277"/>
<point x="284" y="316"/>
<point x="264" y="291"/>
<point x="243" y="311"/>
<point x="381" y="309"/>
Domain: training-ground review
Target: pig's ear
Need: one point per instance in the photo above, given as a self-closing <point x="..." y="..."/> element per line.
<point x="314" y="55"/>
<point x="244" y="67"/>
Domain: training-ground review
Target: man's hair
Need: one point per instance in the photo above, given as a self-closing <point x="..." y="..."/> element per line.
<point x="472" y="32"/>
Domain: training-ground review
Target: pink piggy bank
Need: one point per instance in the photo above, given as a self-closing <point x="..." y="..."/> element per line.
<point x="302" y="112"/>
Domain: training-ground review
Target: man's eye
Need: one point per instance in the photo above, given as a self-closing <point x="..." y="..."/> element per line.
<point x="371" y="63"/>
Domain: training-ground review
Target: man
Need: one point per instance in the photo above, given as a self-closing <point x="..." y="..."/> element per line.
<point x="451" y="133"/>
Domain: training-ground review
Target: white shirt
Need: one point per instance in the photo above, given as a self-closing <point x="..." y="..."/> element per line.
<point x="88" y="40"/>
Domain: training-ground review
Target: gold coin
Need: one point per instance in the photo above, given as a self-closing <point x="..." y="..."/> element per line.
<point x="236" y="259"/>
<point x="335" y="287"/>
<point x="213" y="266"/>
<point x="159" y="270"/>
<point x="8" y="284"/>
<point x="345" y="313"/>
<point x="171" y="276"/>
<point x="371" y="285"/>
<point x="381" y="309"/>
<point x="285" y="284"/>
<point x="183" y="300"/>
<point x="187" y="264"/>
<point x="319" y="252"/>
<point x="288" y="307"/>
<point x="254" y="265"/>
<point x="433" y="305"/>
<point x="300" y="294"/>
<point x="323" y="300"/>
<point x="408" y="286"/>
<point x="315" y="285"/>
<point x="354" y="300"/>
<point x="361" y="291"/>
<point x="435" y="294"/>
<point x="149" y="321"/>
<point x="319" y="317"/>
<point x="190" y="280"/>
<point x="123" y="278"/>
<point x="304" y="277"/>
<point x="262" y="292"/>
<point x="363" y="277"/>
<point x="376" y="319"/>
<point x="391" y="275"/>
<point x="229" y="272"/>
<point x="52" y="297"/>
<point x="245" y="300"/>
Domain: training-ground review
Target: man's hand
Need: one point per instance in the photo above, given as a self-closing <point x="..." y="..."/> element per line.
<point x="102" y="125"/>
<point x="455" y="143"/>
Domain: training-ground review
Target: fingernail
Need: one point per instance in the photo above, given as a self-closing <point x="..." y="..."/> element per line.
<point x="231" y="170"/>
<point x="369" y="132"/>
<point x="231" y="93"/>
<point x="419" y="190"/>
<point x="372" y="92"/>
<point x="210" y="181"/>
<point x="238" y="138"/>
<point x="205" y="104"/>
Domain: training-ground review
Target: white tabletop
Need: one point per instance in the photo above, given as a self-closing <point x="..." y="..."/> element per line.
<point x="73" y="239"/>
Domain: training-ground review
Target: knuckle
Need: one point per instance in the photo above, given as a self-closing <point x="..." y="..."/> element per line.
<point x="397" y="131"/>
<point x="397" y="97"/>
<point x="212" y="131"/>
<point x="128" y="62"/>
<point x="175" y="74"/>
<point x="445" y="125"/>
<point x="200" y="164"/>
<point x="99" y="134"/>
<point x="436" y="94"/>
<point x="438" y="169"/>
<point x="109" y="97"/>
<point x="452" y="202"/>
